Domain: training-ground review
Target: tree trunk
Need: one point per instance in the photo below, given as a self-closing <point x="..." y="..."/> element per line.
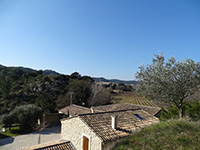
<point x="180" y="108"/>
<point x="180" y="113"/>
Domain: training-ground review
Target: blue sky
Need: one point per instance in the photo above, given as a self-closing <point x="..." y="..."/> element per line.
<point x="99" y="38"/>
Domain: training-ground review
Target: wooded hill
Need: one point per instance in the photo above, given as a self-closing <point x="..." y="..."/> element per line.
<point x="20" y="86"/>
<point x="114" y="81"/>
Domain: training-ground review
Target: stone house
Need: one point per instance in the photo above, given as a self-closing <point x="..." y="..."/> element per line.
<point x="101" y="130"/>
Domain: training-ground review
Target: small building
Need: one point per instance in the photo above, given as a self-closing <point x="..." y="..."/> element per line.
<point x="101" y="130"/>
<point x="51" y="119"/>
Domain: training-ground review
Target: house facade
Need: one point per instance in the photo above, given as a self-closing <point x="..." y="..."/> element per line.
<point x="80" y="134"/>
<point x="100" y="131"/>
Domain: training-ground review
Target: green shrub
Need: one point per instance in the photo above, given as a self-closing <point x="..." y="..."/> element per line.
<point x="171" y="113"/>
<point x="194" y="110"/>
<point x="189" y="109"/>
<point x="8" y="119"/>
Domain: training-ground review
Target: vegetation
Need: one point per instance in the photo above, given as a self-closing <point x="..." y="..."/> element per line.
<point x="172" y="134"/>
<point x="132" y="98"/>
<point x="25" y="115"/>
<point x="171" y="81"/>
<point x="192" y="110"/>
<point x="45" y="89"/>
<point x="13" y="131"/>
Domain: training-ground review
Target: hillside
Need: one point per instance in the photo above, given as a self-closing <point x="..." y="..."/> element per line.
<point x="169" y="135"/>
<point x="46" y="89"/>
<point x="101" y="79"/>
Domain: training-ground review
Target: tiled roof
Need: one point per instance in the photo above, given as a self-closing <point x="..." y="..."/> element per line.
<point x="74" y="110"/>
<point x="55" y="145"/>
<point x="123" y="106"/>
<point x="128" y="122"/>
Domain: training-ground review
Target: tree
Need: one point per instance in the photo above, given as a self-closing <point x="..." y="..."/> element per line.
<point x="172" y="81"/>
<point x="46" y="102"/>
<point x="81" y="91"/>
<point x="99" y="95"/>
<point x="7" y="120"/>
<point x="25" y="115"/>
<point x="75" y="75"/>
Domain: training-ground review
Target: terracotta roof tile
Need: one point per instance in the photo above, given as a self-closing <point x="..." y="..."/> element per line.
<point x="100" y="123"/>
<point x="74" y="110"/>
<point x="54" y="145"/>
<point x="123" y="106"/>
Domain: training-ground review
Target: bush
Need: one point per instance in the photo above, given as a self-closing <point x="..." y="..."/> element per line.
<point x="171" y="113"/>
<point x="7" y="120"/>
<point x="194" y="110"/>
<point x="190" y="109"/>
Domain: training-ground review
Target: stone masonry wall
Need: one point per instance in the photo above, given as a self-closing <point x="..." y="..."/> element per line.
<point x="73" y="130"/>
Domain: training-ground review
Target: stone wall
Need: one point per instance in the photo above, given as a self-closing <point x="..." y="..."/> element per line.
<point x="51" y="119"/>
<point x="73" y="130"/>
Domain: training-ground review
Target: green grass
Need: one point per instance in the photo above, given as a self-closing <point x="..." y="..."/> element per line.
<point x="169" y="135"/>
<point x="15" y="131"/>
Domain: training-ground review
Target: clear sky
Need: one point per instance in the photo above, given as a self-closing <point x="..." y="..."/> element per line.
<point x="99" y="38"/>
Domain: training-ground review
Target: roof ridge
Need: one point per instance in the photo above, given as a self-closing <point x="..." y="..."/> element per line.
<point x="46" y="145"/>
<point x="80" y="106"/>
<point x="50" y="145"/>
<point x="75" y="106"/>
<point x="113" y="111"/>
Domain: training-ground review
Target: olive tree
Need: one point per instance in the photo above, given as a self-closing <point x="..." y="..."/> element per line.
<point x="25" y="115"/>
<point x="171" y="81"/>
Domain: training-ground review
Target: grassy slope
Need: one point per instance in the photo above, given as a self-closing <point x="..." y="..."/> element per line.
<point x="168" y="135"/>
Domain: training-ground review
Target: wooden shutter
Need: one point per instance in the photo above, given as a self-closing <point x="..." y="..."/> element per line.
<point x="85" y="143"/>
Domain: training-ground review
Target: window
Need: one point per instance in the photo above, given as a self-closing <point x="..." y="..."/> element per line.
<point x="85" y="143"/>
<point x="139" y="117"/>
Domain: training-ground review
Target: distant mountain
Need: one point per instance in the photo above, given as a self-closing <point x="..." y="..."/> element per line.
<point x="25" y="68"/>
<point x="101" y="79"/>
<point x="45" y="72"/>
<point x="50" y="73"/>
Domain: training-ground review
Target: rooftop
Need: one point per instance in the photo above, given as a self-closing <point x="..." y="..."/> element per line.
<point x="54" y="145"/>
<point x="74" y="110"/>
<point x="128" y="122"/>
<point x="123" y="106"/>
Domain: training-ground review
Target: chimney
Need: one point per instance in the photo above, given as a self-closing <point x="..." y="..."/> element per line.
<point x="92" y="110"/>
<point x="114" y="121"/>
